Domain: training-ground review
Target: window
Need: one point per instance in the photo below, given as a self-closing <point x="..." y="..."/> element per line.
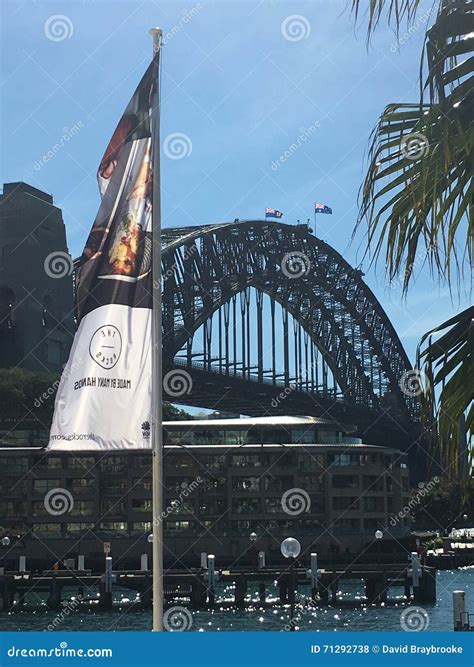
<point x="81" y="485"/>
<point x="178" y="526"/>
<point x="310" y="461"/>
<point x="81" y="462"/>
<point x="83" y="508"/>
<point x="51" y="462"/>
<point x="139" y="527"/>
<point x="112" y="507"/>
<point x="142" y="505"/>
<point x="303" y="435"/>
<point x="174" y="506"/>
<point x="178" y="461"/>
<point x="215" y="484"/>
<point x="354" y="524"/>
<point x="47" y="529"/>
<point x="113" y="486"/>
<point x="311" y="483"/>
<point x="278" y="482"/>
<point x="273" y="505"/>
<point x="343" y="459"/>
<point x="213" y="462"/>
<point x="77" y="528"/>
<point x="246" y="460"/>
<point x="142" y="461"/>
<point x="118" y="527"/>
<point x="143" y="484"/>
<point x="250" y="484"/>
<point x="374" y="483"/>
<point x="13" y="509"/>
<point x="246" y="505"/>
<point x="112" y="464"/>
<point x="343" y="503"/>
<point x="13" y="465"/>
<point x="212" y="506"/>
<point x="42" y="486"/>
<point x="373" y="504"/>
<point x="345" y="482"/>
<point x="9" y="486"/>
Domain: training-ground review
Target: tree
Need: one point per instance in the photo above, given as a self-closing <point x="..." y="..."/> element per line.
<point x="417" y="199"/>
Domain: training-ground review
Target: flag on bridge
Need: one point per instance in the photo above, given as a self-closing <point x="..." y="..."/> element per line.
<point x="273" y="213"/>
<point x="322" y="208"/>
<point x="104" y="396"/>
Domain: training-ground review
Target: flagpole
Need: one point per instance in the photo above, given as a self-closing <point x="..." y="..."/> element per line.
<point x="156" y="352"/>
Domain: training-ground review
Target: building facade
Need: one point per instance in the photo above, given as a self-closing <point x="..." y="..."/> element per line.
<point x="36" y="296"/>
<point x="224" y="480"/>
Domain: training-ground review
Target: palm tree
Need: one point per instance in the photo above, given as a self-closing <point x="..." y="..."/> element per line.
<point x="417" y="198"/>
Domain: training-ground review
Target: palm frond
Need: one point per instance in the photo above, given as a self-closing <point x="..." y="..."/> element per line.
<point x="446" y="358"/>
<point x="418" y="191"/>
<point x="396" y="10"/>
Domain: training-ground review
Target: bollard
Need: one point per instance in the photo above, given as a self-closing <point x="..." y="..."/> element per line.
<point x="203" y="560"/>
<point x="415" y="574"/>
<point x="240" y="590"/>
<point x="261" y="560"/>
<point x="144" y="562"/>
<point x="105" y="600"/>
<point x="22" y="564"/>
<point x="261" y="591"/>
<point x="108" y="574"/>
<point x="80" y="563"/>
<point x="314" y="575"/>
<point x="211" y="563"/>
<point x="459" y="610"/>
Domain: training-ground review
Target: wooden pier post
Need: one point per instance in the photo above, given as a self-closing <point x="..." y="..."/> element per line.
<point x="54" y="599"/>
<point x="314" y="575"/>
<point x="261" y="591"/>
<point x="198" y="592"/>
<point x="211" y="573"/>
<point x="80" y="563"/>
<point x="459" y="611"/>
<point x="105" y="600"/>
<point x="240" y="590"/>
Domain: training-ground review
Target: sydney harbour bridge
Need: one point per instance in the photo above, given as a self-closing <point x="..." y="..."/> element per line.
<point x="263" y="318"/>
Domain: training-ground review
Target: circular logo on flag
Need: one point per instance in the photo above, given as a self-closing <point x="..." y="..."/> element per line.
<point x="105" y="346"/>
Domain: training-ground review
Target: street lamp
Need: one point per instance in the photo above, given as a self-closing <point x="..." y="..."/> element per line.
<point x="253" y="537"/>
<point x="291" y="548"/>
<point x="378" y="537"/>
<point x="5" y="541"/>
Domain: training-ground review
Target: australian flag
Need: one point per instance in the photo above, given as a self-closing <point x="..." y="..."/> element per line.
<point x="273" y="213"/>
<point x="322" y="208"/>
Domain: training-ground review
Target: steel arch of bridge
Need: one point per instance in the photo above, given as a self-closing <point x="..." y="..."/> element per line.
<point x="205" y="267"/>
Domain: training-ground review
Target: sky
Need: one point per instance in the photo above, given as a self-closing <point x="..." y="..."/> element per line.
<point x="241" y="82"/>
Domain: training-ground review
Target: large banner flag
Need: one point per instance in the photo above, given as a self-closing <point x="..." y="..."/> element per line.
<point x="104" y="397"/>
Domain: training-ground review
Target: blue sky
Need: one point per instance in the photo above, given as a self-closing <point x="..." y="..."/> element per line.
<point x="239" y="89"/>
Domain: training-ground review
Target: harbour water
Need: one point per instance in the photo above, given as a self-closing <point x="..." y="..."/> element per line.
<point x="347" y="615"/>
